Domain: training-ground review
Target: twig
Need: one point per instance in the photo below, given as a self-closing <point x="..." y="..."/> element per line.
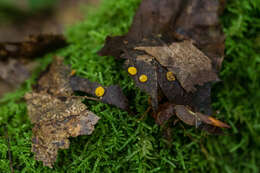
<point x="145" y="113"/>
<point x="86" y="97"/>
<point x="9" y="150"/>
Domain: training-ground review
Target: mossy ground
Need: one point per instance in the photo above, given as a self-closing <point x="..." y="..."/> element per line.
<point x="123" y="143"/>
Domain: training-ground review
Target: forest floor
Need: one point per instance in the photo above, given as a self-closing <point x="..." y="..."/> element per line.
<point x="124" y="143"/>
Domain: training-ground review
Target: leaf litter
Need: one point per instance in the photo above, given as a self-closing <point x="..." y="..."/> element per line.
<point x="178" y="48"/>
<point x="173" y="52"/>
<point x="57" y="113"/>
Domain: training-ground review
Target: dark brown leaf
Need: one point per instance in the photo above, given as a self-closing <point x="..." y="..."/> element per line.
<point x="145" y="66"/>
<point x="164" y="113"/>
<point x="113" y="94"/>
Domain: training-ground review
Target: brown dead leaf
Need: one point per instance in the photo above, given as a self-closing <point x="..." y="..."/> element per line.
<point x="191" y="66"/>
<point x="164" y="113"/>
<point x="187" y="66"/>
<point x="56" y="113"/>
<point x="56" y="119"/>
<point x="55" y="79"/>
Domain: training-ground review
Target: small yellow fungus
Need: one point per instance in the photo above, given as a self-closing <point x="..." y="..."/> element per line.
<point x="170" y="76"/>
<point x="143" y="78"/>
<point x="100" y="91"/>
<point x="132" y="70"/>
<point x="73" y="72"/>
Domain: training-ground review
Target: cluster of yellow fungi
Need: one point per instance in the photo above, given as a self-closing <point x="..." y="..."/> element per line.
<point x="143" y="78"/>
<point x="100" y="91"/>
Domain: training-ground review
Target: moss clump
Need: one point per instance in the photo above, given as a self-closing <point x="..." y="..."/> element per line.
<point x="123" y="143"/>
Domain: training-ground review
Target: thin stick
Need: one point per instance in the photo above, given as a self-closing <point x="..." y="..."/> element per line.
<point x="145" y="113"/>
<point x="9" y="150"/>
<point x="86" y="97"/>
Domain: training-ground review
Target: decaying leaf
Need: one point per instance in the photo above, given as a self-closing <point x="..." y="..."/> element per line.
<point x="112" y="95"/>
<point x="61" y="81"/>
<point x="145" y="66"/>
<point x="177" y="47"/>
<point x="164" y="113"/>
<point x="56" y="119"/>
<point x="190" y="66"/>
<point x="56" y="113"/>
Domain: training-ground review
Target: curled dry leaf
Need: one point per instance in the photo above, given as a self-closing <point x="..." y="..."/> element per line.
<point x="178" y="46"/>
<point x="56" y="113"/>
<point x="197" y="119"/>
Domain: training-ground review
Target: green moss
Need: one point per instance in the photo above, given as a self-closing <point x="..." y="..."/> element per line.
<point x="123" y="143"/>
